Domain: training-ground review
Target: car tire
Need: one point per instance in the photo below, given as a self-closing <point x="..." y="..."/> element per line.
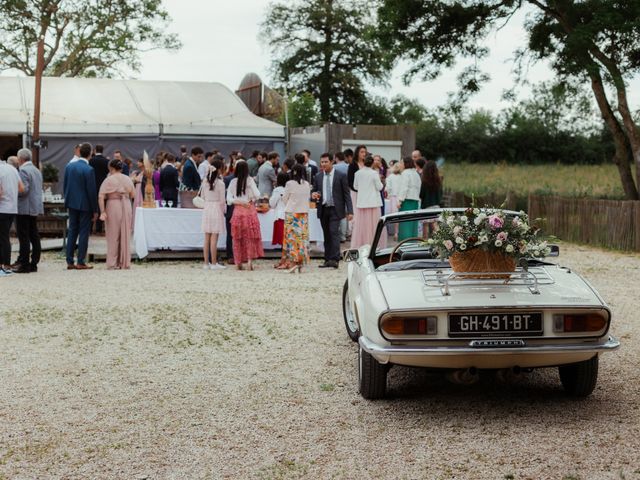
<point x="372" y="376"/>
<point x="579" y="379"/>
<point x="350" y="321"/>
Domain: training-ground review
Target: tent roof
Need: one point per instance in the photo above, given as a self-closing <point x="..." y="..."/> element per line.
<point x="108" y="106"/>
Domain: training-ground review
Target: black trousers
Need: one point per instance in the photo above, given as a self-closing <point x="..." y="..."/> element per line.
<point x="29" y="238"/>
<point x="6" y="219"/>
<point x="227" y="221"/>
<point x="331" y="231"/>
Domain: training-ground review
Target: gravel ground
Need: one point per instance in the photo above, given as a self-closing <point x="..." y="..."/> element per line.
<point x="169" y="371"/>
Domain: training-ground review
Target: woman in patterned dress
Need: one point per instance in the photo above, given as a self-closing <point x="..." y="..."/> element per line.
<point x="295" y="250"/>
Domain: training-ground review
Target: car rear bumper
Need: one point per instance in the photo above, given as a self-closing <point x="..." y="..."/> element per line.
<point x="486" y="357"/>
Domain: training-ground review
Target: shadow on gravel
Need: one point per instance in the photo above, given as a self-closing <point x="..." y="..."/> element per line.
<point x="534" y="394"/>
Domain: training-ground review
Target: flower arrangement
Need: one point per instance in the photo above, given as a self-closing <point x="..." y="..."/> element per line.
<point x="490" y="230"/>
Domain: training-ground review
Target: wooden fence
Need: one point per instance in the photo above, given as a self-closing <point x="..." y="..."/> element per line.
<point x="604" y="223"/>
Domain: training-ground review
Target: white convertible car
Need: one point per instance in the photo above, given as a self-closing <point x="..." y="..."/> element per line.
<point x="406" y="307"/>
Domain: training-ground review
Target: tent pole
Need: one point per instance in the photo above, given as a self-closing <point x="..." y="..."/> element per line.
<point x="35" y="146"/>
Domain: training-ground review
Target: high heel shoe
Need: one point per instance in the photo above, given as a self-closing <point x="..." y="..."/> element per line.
<point x="295" y="267"/>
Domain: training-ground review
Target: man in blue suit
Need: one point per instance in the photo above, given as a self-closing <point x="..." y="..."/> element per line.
<point x="80" y="198"/>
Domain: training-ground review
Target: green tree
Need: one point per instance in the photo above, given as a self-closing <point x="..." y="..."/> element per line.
<point x="327" y="48"/>
<point x="594" y="41"/>
<point x="302" y="110"/>
<point x="83" y="38"/>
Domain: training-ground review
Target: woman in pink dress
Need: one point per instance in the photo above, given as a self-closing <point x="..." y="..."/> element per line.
<point x="367" y="209"/>
<point x="356" y="164"/>
<point x="137" y="176"/>
<point x="245" y="226"/>
<point x="213" y="212"/>
<point x="114" y="199"/>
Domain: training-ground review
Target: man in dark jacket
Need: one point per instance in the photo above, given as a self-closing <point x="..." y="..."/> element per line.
<point x="81" y="199"/>
<point x="191" y="177"/>
<point x="169" y="181"/>
<point x="100" y="166"/>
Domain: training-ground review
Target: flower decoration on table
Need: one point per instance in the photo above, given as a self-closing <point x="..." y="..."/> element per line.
<point x="486" y="239"/>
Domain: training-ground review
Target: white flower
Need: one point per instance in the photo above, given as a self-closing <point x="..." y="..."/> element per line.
<point x="479" y="219"/>
<point x="463" y="246"/>
<point x="524" y="227"/>
<point x="476" y="211"/>
<point x="450" y="220"/>
<point x="524" y="249"/>
<point x="459" y="240"/>
<point x="484" y="239"/>
<point x="509" y="248"/>
<point x="498" y="243"/>
<point x="431" y="241"/>
<point x="457" y="229"/>
<point x="464" y="219"/>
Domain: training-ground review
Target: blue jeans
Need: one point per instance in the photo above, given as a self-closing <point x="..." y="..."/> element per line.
<point x="79" y="226"/>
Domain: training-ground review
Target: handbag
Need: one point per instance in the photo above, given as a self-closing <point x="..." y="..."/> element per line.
<point x="198" y="201"/>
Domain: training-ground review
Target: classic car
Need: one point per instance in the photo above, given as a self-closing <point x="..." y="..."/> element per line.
<point x="404" y="306"/>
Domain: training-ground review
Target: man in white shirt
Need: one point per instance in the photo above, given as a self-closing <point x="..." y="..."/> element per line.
<point x="10" y="187"/>
<point x="76" y="154"/>
<point x="204" y="165"/>
<point x="333" y="196"/>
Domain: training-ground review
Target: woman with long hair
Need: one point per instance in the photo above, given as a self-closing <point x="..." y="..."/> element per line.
<point x="295" y="251"/>
<point x="356" y="164"/>
<point x="213" y="212"/>
<point x="114" y="200"/>
<point x="408" y="197"/>
<point x="245" y="226"/>
<point x="368" y="184"/>
<point x="276" y="202"/>
<point x="430" y="193"/>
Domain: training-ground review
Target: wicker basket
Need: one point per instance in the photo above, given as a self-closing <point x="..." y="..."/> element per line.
<point x="478" y="260"/>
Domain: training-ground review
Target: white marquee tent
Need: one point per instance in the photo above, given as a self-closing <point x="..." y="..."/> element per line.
<point x="132" y="115"/>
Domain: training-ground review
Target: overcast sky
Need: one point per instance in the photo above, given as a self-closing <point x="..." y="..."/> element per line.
<point x="220" y="43"/>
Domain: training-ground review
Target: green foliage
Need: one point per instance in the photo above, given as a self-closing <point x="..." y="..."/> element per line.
<point x="327" y="48"/>
<point x="49" y="173"/>
<point x="302" y="110"/>
<point x="83" y="38"/>
<point x="594" y="41"/>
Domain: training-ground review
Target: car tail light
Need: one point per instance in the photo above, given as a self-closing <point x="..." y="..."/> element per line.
<point x="410" y="325"/>
<point x="578" y="323"/>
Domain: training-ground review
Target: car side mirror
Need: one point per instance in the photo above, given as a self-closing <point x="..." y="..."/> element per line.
<point x="555" y="251"/>
<point x="351" y="255"/>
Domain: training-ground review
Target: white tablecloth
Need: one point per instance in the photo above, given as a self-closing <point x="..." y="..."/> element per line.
<point x="180" y="229"/>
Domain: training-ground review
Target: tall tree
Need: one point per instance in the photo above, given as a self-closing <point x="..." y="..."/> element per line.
<point x="83" y="38"/>
<point x="596" y="41"/>
<point x="327" y="48"/>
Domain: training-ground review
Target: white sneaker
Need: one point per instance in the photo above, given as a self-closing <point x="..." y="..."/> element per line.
<point x="5" y="273"/>
<point x="206" y="266"/>
<point x="217" y="266"/>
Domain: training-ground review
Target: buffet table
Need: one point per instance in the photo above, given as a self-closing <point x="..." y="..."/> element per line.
<point x="180" y="229"/>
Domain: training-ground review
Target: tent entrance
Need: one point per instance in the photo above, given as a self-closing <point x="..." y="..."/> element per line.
<point x="9" y="145"/>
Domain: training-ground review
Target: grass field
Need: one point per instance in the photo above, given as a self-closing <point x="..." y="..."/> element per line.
<point x="597" y="181"/>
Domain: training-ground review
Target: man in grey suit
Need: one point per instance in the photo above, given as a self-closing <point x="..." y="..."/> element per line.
<point x="267" y="174"/>
<point x="333" y="197"/>
<point x="29" y="207"/>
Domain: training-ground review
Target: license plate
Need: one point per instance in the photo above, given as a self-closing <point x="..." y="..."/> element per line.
<point x="522" y="324"/>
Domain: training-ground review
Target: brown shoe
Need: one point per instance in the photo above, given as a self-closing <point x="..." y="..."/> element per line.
<point x="71" y="266"/>
<point x="83" y="266"/>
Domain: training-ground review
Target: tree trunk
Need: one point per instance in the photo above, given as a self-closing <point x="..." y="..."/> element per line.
<point x="620" y="139"/>
<point x="325" y="81"/>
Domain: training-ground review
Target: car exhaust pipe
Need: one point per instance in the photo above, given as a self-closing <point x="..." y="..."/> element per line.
<point x="510" y="374"/>
<point x="465" y="376"/>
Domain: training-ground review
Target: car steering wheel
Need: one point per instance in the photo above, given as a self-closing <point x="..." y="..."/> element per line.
<point x="395" y="249"/>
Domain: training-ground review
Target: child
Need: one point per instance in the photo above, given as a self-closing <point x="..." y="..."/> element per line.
<point x="277" y="204"/>
<point x="213" y="222"/>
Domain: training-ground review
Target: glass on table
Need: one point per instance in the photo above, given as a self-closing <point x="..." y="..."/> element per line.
<point x="170" y="203"/>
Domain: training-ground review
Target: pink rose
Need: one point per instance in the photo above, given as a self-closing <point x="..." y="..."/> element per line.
<point x="495" y="222"/>
<point x="503" y="236"/>
<point x="448" y="244"/>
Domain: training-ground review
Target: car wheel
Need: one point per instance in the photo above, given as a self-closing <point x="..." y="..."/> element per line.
<point x="349" y="317"/>
<point x="579" y="379"/>
<point x="372" y="376"/>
